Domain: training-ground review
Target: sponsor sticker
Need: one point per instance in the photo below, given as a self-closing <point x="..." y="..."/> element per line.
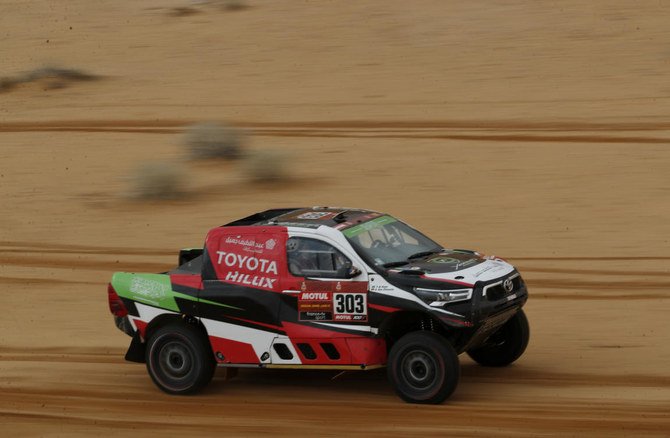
<point x="144" y="287"/>
<point x="314" y="215"/>
<point x="248" y="269"/>
<point x="315" y="306"/>
<point x="250" y="245"/>
<point x="249" y="260"/>
<point x="369" y="225"/>
<point x="333" y="301"/>
<point x="350" y="306"/>
<point x="381" y="288"/>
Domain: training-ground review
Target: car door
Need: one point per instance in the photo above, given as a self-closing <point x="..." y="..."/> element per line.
<point x="324" y="299"/>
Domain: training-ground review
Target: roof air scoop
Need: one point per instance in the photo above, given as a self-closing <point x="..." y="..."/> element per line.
<point x="340" y="217"/>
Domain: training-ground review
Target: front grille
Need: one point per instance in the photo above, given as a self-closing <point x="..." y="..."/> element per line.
<point x="497" y="292"/>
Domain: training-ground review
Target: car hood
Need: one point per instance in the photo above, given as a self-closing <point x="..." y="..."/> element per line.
<point x="458" y="267"/>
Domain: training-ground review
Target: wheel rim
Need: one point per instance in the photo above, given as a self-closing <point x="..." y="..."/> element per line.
<point x="175" y="360"/>
<point x="419" y="369"/>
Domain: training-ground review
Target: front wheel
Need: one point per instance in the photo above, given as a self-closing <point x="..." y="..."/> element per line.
<point x="423" y="368"/>
<point x="506" y="345"/>
<point x="179" y="359"/>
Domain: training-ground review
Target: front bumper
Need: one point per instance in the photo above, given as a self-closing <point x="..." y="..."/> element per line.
<point x="493" y="307"/>
<point x="490" y="307"/>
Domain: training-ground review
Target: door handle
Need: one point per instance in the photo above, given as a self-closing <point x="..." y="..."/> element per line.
<point x="289" y="291"/>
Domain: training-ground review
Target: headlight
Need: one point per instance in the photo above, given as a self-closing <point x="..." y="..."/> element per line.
<point x="438" y="298"/>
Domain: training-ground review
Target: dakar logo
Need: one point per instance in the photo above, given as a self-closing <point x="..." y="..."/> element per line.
<point x="270" y="244"/>
<point x="338" y="287"/>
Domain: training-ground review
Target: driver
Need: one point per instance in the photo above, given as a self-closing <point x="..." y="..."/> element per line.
<point x="300" y="258"/>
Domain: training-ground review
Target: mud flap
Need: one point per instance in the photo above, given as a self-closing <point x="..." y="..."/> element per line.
<point x="136" y="350"/>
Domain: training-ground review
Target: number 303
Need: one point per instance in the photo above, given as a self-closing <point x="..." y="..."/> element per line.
<point x="349" y="303"/>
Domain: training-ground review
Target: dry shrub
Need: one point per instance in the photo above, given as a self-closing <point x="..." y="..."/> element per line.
<point x="69" y="74"/>
<point x="52" y="77"/>
<point x="7" y="83"/>
<point x="234" y="5"/>
<point x="215" y="5"/>
<point x="183" y="11"/>
<point x="266" y="165"/>
<point x="214" y="140"/>
<point x="157" y="180"/>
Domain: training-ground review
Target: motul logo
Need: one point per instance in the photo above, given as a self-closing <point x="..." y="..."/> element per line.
<point x="314" y="296"/>
<point x="249" y="263"/>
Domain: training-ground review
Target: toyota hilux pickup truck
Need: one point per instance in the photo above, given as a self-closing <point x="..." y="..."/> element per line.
<point x="323" y="288"/>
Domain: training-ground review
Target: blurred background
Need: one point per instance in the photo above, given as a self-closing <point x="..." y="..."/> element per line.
<point x="533" y="130"/>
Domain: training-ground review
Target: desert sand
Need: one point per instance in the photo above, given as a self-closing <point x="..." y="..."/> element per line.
<point x="536" y="131"/>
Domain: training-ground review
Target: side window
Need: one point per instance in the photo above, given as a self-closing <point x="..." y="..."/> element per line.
<point x="314" y="258"/>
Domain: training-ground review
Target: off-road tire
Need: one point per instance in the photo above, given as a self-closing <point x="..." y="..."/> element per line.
<point x="179" y="359"/>
<point x="423" y="368"/>
<point x="506" y="345"/>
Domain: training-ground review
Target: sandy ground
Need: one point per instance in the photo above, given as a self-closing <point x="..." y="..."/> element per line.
<point x="536" y="131"/>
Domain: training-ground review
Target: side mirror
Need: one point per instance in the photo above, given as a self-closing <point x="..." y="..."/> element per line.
<point x="352" y="272"/>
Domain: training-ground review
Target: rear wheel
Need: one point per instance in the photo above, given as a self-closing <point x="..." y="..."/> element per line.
<point x="179" y="359"/>
<point x="423" y="368"/>
<point x="506" y="345"/>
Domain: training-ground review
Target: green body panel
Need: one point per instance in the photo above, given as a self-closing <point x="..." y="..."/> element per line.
<point x="152" y="289"/>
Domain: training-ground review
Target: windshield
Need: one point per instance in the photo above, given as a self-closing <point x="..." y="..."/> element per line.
<point x="387" y="241"/>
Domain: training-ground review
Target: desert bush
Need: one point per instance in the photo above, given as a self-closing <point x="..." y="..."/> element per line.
<point x="69" y="74"/>
<point x="183" y="11"/>
<point x="54" y="77"/>
<point x="7" y="83"/>
<point x="214" y="140"/>
<point x="157" y="180"/>
<point x="266" y="166"/>
<point x="234" y="5"/>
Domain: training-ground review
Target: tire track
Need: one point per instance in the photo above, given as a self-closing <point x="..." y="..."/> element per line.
<point x="45" y="281"/>
<point x="473" y="373"/>
<point x="586" y="296"/>
<point x="34" y="247"/>
<point x="604" y="272"/>
<point x="97" y="421"/>
<point x="566" y="283"/>
<point x="288" y="408"/>
<point x="589" y="258"/>
<point x="488" y="130"/>
<point x="496" y="125"/>
<point x="87" y="264"/>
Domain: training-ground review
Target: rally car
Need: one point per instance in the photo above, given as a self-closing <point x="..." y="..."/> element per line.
<point x="323" y="288"/>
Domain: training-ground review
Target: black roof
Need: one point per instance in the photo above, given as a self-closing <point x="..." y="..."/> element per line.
<point x="308" y="217"/>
